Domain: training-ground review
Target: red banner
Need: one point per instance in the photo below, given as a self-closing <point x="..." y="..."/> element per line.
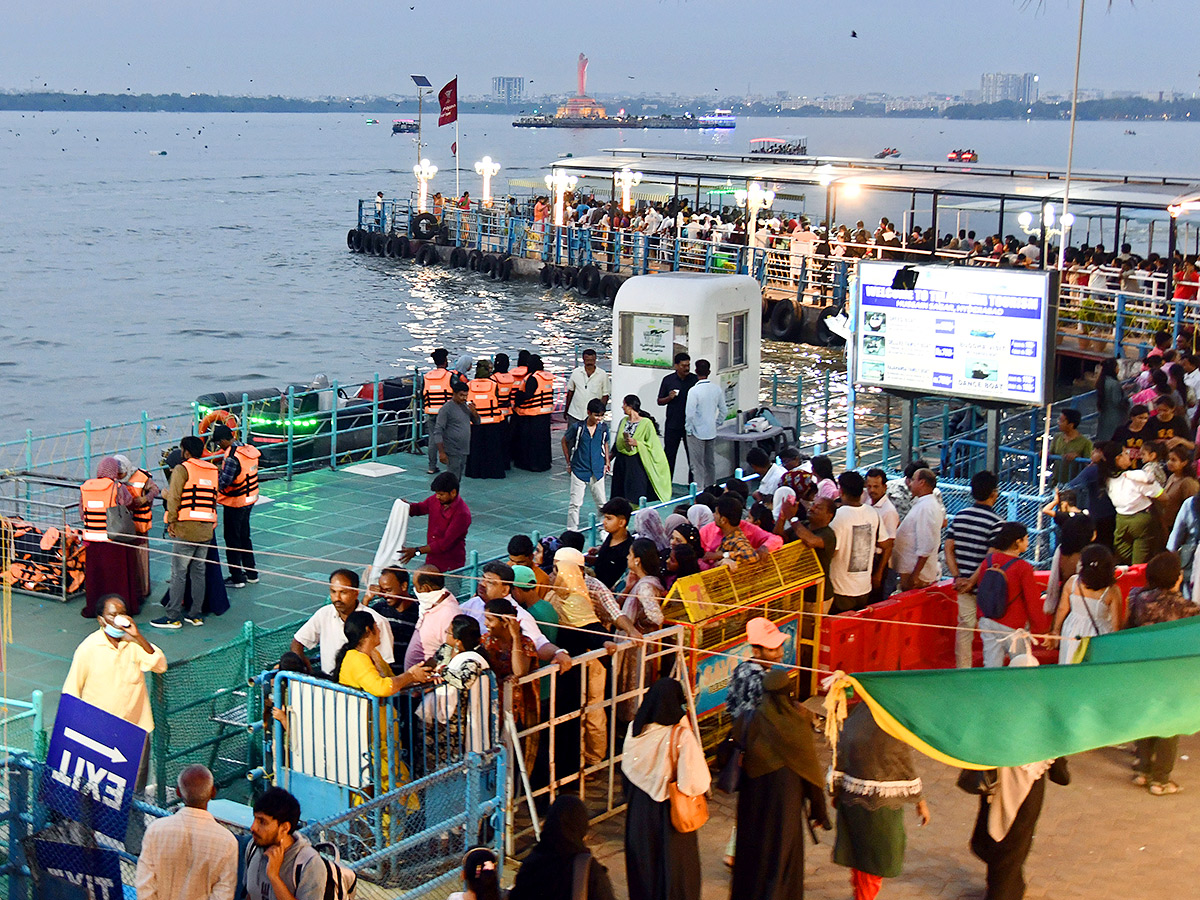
<point x="448" y="99"/>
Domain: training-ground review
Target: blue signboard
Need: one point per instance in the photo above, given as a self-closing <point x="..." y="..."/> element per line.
<point x="86" y="873"/>
<point x="92" y="766"/>
<point x="713" y="672"/>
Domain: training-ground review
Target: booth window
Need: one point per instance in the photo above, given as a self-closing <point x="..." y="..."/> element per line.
<point x="731" y="341"/>
<point x="651" y="340"/>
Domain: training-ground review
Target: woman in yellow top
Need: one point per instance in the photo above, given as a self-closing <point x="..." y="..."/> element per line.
<point x="360" y="666"/>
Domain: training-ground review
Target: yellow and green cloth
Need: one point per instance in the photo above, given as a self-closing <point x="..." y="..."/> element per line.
<point x="1131" y="684"/>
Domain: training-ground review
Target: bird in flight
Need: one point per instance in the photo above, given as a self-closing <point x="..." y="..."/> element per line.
<point x="853" y="34"/>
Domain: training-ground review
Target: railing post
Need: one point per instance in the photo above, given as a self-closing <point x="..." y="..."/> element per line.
<point x="333" y="428"/>
<point x="375" y="416"/>
<point x="675" y="258"/>
<point x="708" y="256"/>
<point x="1119" y="330"/>
<point x="40" y="739"/>
<point x="775" y="389"/>
<point x="144" y="430"/>
<point x="887" y="439"/>
<point x="87" y="447"/>
<point x="28" y="449"/>
<point x="592" y="529"/>
<point x="825" y="443"/>
<point x="245" y="418"/>
<point x="474" y="563"/>
<point x="291" y="429"/>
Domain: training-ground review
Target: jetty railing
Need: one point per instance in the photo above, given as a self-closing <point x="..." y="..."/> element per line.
<point x="1116" y="313"/>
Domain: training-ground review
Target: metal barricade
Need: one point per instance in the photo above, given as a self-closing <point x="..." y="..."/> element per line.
<point x="603" y="707"/>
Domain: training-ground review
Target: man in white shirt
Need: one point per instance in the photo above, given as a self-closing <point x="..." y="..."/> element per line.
<point x="1191" y="379"/>
<point x="496" y="584"/>
<point x="915" y="553"/>
<point x="883" y="582"/>
<point x="703" y="414"/>
<point x="770" y="474"/>
<point x="326" y="627"/>
<point x="587" y="382"/>
<point x="859" y="532"/>
<point x="188" y="856"/>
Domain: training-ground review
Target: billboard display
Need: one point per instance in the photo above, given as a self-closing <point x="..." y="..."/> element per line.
<point x="961" y="331"/>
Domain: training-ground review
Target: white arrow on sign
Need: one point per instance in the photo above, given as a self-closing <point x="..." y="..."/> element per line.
<point x="113" y="753"/>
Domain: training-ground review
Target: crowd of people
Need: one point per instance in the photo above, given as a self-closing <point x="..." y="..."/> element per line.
<point x="1126" y="493"/>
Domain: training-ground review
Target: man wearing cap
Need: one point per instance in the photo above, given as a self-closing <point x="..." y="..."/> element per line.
<point x="746" y="684"/>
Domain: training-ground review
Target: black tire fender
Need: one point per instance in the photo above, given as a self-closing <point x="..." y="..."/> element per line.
<point x="783" y="320"/>
<point x="487" y="265"/>
<point x="350" y="238"/>
<point x="587" y="282"/>
<point x="546" y="275"/>
<point x="474" y="258"/>
<point x="360" y="238"/>
<point x="423" y="226"/>
<point x="609" y="285"/>
<point x="506" y="268"/>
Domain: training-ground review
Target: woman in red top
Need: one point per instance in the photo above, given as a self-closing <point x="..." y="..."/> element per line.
<point x="1186" y="282"/>
<point x="1024" y="596"/>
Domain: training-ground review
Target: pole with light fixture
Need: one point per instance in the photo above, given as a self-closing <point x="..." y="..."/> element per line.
<point x="753" y="198"/>
<point x="424" y="171"/>
<point x="627" y="180"/>
<point x="1048" y="219"/>
<point x="487" y="169"/>
<point x="558" y="183"/>
<point x="423" y="84"/>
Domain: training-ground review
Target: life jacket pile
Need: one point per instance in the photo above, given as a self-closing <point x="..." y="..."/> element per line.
<point x="40" y="563"/>
<point x="541" y="403"/>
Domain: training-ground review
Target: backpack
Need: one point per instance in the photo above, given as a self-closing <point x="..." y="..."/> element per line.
<point x="991" y="594"/>
<point x="341" y="882"/>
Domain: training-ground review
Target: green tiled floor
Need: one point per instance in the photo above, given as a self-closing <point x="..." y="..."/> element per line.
<point x="317" y="522"/>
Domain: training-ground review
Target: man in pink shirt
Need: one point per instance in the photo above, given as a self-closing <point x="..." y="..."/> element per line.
<point x="445" y="546"/>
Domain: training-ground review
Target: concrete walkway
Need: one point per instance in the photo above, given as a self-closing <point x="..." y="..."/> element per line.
<point x="1101" y="838"/>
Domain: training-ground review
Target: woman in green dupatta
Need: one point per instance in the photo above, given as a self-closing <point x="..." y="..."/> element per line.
<point x="640" y="467"/>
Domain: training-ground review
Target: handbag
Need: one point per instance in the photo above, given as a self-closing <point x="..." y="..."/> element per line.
<point x="729" y="757"/>
<point x="688" y="813"/>
<point x="119" y="522"/>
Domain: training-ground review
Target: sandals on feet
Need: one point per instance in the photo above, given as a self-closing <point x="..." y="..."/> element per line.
<point x="1169" y="787"/>
<point x="1140" y="780"/>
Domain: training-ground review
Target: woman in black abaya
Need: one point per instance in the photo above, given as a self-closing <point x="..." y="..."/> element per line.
<point x="780" y="776"/>
<point x="660" y="862"/>
<point x="531" y="433"/>
<point x="548" y="872"/>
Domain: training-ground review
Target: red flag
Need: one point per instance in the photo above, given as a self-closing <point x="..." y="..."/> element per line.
<point x="448" y="99"/>
<point x="454" y="148"/>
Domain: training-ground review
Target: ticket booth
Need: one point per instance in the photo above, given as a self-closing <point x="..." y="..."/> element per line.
<point x="713" y="317"/>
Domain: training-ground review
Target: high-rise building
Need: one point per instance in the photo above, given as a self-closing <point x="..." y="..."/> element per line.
<point x="508" y="89"/>
<point x="997" y="86"/>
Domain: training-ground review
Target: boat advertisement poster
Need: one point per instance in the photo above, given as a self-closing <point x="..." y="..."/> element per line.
<point x="979" y="334"/>
<point x="652" y="340"/>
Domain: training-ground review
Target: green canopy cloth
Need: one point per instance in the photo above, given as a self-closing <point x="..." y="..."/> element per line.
<point x="1166" y="639"/>
<point x="987" y="718"/>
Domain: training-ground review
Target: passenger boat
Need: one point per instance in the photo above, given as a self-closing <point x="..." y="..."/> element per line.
<point x="968" y="156"/>
<point x="887" y="152"/>
<point x="784" y="145"/>
<point x="372" y="121"/>
<point x="404" y="126"/>
<point x="719" y="118"/>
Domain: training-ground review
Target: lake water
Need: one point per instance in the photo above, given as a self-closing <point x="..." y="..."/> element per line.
<point x="137" y="281"/>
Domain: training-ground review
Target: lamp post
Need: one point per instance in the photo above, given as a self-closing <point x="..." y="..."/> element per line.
<point x="424" y="171"/>
<point x="559" y="183"/>
<point x="1049" y="217"/>
<point x="423" y="84"/>
<point x="626" y="180"/>
<point x="753" y="199"/>
<point x="487" y="169"/>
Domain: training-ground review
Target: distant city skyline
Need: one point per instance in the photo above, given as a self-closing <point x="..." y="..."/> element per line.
<point x="693" y="48"/>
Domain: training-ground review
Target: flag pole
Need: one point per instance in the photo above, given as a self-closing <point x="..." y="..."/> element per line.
<point x="457" y="192"/>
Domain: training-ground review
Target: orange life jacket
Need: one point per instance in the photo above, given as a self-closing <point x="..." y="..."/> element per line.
<point x="485" y="395"/>
<point x="519" y="373"/>
<point x="244" y="489"/>
<point x="143" y="516"/>
<point x="199" y="500"/>
<point x="542" y="401"/>
<point x="504" y="388"/>
<point x="436" y="390"/>
<point x="96" y="497"/>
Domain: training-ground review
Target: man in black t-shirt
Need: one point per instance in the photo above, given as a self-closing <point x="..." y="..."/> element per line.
<point x="672" y="394"/>
<point x="1169" y="426"/>
<point x="611" y="559"/>
<point x="391" y="598"/>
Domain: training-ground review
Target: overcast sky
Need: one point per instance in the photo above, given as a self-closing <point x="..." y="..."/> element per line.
<point x="314" y="48"/>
